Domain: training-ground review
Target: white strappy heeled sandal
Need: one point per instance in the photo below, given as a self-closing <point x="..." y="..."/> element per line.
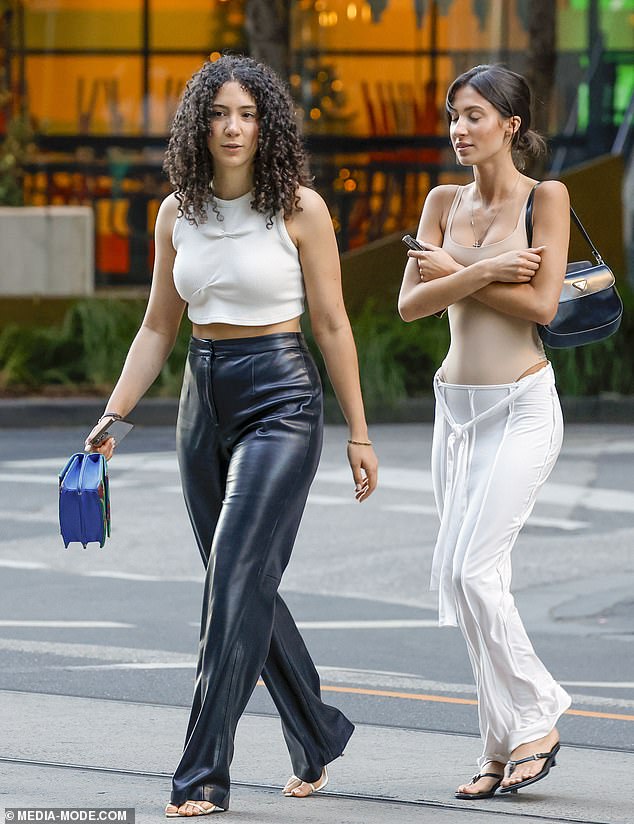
<point x="294" y="783"/>
<point x="197" y="806"/>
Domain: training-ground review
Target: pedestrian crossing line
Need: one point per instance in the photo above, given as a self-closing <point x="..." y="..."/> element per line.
<point x="603" y="685"/>
<point x="565" y="524"/>
<point x="390" y="623"/>
<point x="52" y="481"/>
<point x="11" y="564"/>
<point x="392" y="477"/>
<point x="68" y="624"/>
<point x="28" y="517"/>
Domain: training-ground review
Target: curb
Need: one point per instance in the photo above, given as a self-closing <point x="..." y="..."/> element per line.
<point x="39" y="413"/>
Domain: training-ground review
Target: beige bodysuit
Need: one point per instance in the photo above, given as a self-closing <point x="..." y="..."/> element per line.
<point x="487" y="346"/>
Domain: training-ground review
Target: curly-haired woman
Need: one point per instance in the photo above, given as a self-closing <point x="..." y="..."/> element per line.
<point x="498" y="427"/>
<point x="241" y="242"/>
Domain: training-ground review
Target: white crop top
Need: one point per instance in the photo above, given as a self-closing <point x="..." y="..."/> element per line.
<point x="236" y="270"/>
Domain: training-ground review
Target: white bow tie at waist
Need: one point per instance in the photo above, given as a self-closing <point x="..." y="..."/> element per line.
<point x="458" y="460"/>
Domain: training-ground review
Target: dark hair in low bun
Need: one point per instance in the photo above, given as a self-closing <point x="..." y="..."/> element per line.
<point x="531" y="144"/>
<point x="509" y="93"/>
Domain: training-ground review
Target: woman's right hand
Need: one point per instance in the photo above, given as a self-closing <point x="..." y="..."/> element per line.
<point x="516" y="266"/>
<point x="106" y="448"/>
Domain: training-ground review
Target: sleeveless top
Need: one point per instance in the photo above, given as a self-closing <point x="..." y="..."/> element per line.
<point x="487" y="346"/>
<point x="236" y="270"/>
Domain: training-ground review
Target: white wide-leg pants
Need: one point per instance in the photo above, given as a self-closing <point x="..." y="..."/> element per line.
<point x="493" y="447"/>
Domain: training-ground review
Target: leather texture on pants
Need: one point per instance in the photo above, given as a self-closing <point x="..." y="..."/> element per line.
<point x="249" y="438"/>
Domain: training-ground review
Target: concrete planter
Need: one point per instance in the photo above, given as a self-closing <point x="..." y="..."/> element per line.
<point x="47" y="250"/>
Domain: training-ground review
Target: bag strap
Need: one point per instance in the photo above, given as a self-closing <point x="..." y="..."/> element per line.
<point x="82" y="470"/>
<point x="86" y="459"/>
<point x="575" y="217"/>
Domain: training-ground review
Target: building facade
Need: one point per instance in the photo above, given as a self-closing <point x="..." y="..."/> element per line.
<point x="100" y="80"/>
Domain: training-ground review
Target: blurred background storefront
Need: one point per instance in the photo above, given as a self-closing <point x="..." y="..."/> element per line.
<point x="98" y="81"/>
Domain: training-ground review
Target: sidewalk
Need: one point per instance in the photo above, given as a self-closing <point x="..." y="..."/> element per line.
<point x="87" y="752"/>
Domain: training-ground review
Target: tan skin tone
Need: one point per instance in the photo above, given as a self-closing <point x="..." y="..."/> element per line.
<point x="233" y="143"/>
<point x="525" y="283"/>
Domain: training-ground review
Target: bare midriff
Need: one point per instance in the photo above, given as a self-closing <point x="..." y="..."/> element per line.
<point x="224" y="331"/>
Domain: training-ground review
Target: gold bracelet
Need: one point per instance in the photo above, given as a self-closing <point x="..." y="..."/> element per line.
<point x="360" y="443"/>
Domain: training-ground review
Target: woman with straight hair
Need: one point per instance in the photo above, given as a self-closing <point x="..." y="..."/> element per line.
<point x="241" y="242"/>
<point x="498" y="426"/>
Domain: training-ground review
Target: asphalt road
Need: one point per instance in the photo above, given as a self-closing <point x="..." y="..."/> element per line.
<point x="122" y="622"/>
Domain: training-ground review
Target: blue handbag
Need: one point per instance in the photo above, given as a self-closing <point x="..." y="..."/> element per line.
<point x="590" y="308"/>
<point x="84" y="499"/>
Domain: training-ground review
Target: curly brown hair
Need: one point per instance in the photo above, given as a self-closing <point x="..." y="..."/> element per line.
<point x="280" y="161"/>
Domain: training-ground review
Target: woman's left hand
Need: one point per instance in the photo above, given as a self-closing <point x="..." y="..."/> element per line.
<point x="433" y="262"/>
<point x="364" y="465"/>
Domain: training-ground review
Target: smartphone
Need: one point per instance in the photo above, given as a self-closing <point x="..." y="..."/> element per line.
<point x="116" y="429"/>
<point x="412" y="243"/>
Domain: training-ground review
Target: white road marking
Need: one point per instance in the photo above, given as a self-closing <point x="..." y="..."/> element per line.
<point x="377" y="679"/>
<point x="403" y="623"/>
<point x="52" y="481"/>
<point x="100" y="652"/>
<point x="413" y="509"/>
<point x="137" y="461"/>
<point x="68" y="624"/>
<point x="535" y="520"/>
<point x="137" y="576"/>
<point x="330" y="500"/>
<point x="592" y="449"/>
<point x="602" y="685"/>
<point x="418" y="480"/>
<point x="23" y="478"/>
<point x="399" y="478"/>
<point x="392" y="477"/>
<point x="107" y="573"/>
<point x="380" y="679"/>
<point x="5" y="562"/>
<point x="155" y="665"/>
<point x="28" y="517"/>
<point x="557" y="523"/>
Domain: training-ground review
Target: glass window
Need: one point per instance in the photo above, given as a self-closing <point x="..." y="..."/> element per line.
<point x="382" y="68"/>
<point x="77" y="24"/>
<point x="85" y="95"/>
<point x="188" y="25"/>
<point x="168" y="76"/>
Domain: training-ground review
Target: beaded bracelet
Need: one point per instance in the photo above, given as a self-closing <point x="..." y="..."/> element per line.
<point x="360" y="443"/>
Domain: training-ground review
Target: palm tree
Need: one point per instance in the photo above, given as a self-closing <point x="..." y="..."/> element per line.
<point x="267" y="24"/>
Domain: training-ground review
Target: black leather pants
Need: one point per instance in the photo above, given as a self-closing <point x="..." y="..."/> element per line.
<point x="249" y="438"/>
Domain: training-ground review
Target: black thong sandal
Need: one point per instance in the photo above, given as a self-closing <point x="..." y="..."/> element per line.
<point x="549" y="762"/>
<point x="487" y="793"/>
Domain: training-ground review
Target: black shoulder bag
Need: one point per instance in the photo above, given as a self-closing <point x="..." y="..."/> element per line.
<point x="590" y="308"/>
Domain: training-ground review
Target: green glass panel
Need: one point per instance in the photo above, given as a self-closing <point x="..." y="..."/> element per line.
<point x="623" y="90"/>
<point x="583" y="111"/>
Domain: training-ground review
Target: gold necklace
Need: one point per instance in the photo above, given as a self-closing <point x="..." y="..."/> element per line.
<point x="477" y="242"/>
